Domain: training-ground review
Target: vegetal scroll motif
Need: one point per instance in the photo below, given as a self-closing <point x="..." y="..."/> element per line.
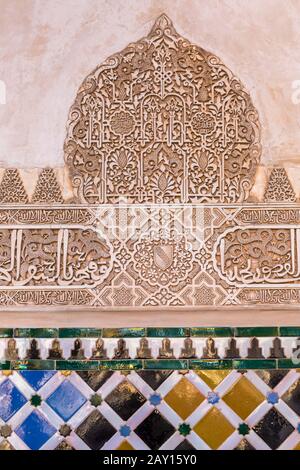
<point x="36" y="257"/>
<point x="163" y="121"/>
<point x="258" y="256"/>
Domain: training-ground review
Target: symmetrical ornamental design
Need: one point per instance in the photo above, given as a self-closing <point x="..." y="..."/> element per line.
<point x="163" y="121"/>
<point x="140" y="256"/>
<point x="279" y="188"/>
<point x="162" y="146"/>
<point x="142" y="410"/>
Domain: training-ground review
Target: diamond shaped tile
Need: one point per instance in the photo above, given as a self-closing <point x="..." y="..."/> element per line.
<point x="94" y="378"/>
<point x="154" y="378"/>
<point x="37" y="378"/>
<point x="125" y="446"/>
<point x="273" y="428"/>
<point x="271" y="377"/>
<point x="11" y="400"/>
<point x="244" y="445"/>
<point x="64" y="445"/>
<point x="184" y="398"/>
<point x="214" y="428"/>
<point x="185" y="445"/>
<point x="66" y="400"/>
<point x="125" y="399"/>
<point x="292" y="397"/>
<point x="243" y="397"/>
<point x="155" y="430"/>
<point x="95" y="430"/>
<point x="5" y="445"/>
<point x="212" y="377"/>
<point x="35" y="431"/>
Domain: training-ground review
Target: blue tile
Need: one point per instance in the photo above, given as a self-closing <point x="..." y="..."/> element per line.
<point x="66" y="400"/>
<point x="11" y="400"/>
<point x="37" y="378"/>
<point x="35" y="431"/>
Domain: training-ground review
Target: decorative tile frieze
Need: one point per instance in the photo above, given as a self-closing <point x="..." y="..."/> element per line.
<point x="150" y="348"/>
<point x="109" y="410"/>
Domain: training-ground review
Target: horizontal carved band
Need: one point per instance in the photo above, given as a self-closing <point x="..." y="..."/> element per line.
<point x="140" y="257"/>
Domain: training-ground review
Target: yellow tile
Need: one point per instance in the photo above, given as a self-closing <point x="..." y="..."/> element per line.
<point x="212" y="377"/>
<point x="7" y="373"/>
<point x="243" y="397"/>
<point x="297" y="446"/>
<point x="214" y="428"/>
<point x="184" y="398"/>
<point x="5" y="445"/>
<point x="125" y="446"/>
<point x="66" y="373"/>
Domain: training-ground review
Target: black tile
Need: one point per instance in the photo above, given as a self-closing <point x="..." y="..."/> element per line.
<point x="125" y="399"/>
<point x="271" y="377"/>
<point x="155" y="430"/>
<point x="94" y="378"/>
<point x="292" y="397"/>
<point x="184" y="445"/>
<point x="154" y="378"/>
<point x="273" y="428"/>
<point x="244" y="445"/>
<point x="64" y="445"/>
<point x="95" y="430"/>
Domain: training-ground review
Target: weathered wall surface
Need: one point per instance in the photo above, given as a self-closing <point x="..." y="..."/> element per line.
<point x="48" y="47"/>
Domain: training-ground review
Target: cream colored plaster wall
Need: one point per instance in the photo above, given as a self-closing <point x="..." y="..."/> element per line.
<point x="47" y="47"/>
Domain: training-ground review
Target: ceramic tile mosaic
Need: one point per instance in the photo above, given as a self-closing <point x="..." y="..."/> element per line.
<point x="150" y="409"/>
<point x="149" y="348"/>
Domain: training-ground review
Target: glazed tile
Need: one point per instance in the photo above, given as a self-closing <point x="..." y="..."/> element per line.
<point x="66" y="400"/>
<point x="37" y="379"/>
<point x="95" y="430"/>
<point x="243" y="397"/>
<point x="212" y="377"/>
<point x="35" y="431"/>
<point x="214" y="428"/>
<point x="184" y="398"/>
<point x="155" y="430"/>
<point x="125" y="399"/>
<point x="273" y="428"/>
<point x="11" y="400"/>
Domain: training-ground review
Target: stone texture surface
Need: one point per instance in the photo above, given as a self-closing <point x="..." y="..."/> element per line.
<point x="47" y="49"/>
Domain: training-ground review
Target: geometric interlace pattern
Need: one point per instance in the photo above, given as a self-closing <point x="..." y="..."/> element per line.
<point x="145" y="410"/>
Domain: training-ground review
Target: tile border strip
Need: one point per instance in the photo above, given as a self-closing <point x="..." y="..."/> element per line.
<point x="214" y="348"/>
<point x="132" y="332"/>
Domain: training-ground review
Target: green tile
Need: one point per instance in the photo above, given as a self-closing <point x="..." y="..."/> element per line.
<point x="218" y="331"/>
<point x="5" y="365"/>
<point x="254" y="364"/>
<point x="289" y="331"/>
<point x="80" y="332"/>
<point x="257" y="331"/>
<point x="206" y="364"/>
<point x="287" y="364"/>
<point x="33" y="364"/>
<point x="122" y="364"/>
<point x="166" y="364"/>
<point x="76" y="365"/>
<point x="35" y="332"/>
<point x="124" y="332"/>
<point x="168" y="332"/>
<point x="6" y="333"/>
